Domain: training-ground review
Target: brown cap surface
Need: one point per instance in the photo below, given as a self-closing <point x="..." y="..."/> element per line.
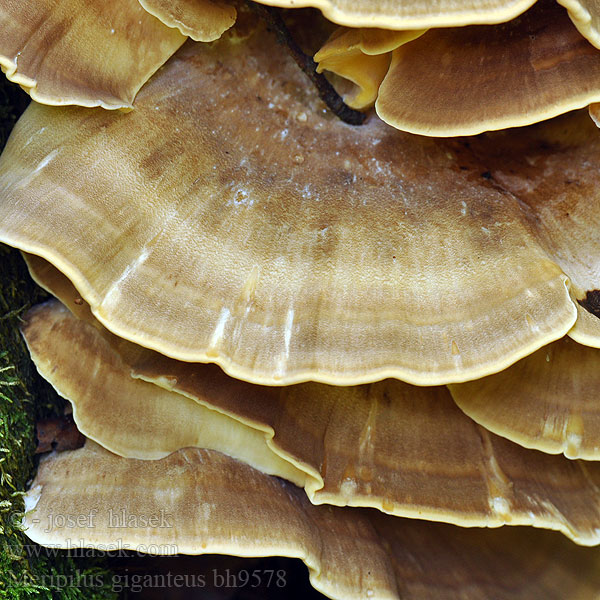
<point x="239" y="224"/>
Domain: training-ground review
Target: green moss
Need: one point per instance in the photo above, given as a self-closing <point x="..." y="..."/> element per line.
<point x="26" y="569"/>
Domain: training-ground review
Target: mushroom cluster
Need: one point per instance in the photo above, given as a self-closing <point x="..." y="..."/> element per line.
<point x="349" y="344"/>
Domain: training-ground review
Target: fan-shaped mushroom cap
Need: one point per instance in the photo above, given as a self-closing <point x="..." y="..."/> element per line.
<point x="402" y="449"/>
<point x="362" y="56"/>
<point x="554" y="170"/>
<point x="586" y="16"/>
<point x="202" y="20"/>
<point x="411" y="14"/>
<point x="131" y="417"/>
<point x="548" y="401"/>
<point x="252" y="230"/>
<point x="200" y="501"/>
<point x="463" y="81"/>
<point x="85" y="52"/>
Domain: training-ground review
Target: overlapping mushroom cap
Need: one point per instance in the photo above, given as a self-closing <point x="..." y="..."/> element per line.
<point x="547" y="401"/>
<point x="402" y="449"/>
<point x="411" y="14"/>
<point x="420" y="14"/>
<point x="200" y="501"/>
<point x="462" y="81"/>
<point x="285" y="245"/>
<point x="85" y="52"/>
<point x="201" y="20"/>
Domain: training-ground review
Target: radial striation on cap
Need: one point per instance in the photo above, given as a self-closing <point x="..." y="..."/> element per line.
<point x="200" y="501"/>
<point x="239" y="224"/>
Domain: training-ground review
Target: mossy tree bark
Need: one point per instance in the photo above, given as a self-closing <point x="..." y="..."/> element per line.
<point x="27" y="570"/>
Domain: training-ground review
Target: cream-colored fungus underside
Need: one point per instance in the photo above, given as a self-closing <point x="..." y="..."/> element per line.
<point x="405" y="450"/>
<point x="411" y="14"/>
<point x="362" y="57"/>
<point x="463" y="81"/>
<point x="85" y="52"/>
<point x="547" y="401"/>
<point x="202" y="20"/>
<point x="228" y="219"/>
<point x="209" y="503"/>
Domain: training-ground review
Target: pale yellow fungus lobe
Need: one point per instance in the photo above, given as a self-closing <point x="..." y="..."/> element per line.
<point x="362" y="57"/>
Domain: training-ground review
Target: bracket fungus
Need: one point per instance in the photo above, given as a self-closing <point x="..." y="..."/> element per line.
<point x="84" y="52"/>
<point x="547" y="401"/>
<point x="184" y="240"/>
<point x="530" y="69"/>
<point x="411" y="14"/>
<point x="401" y="449"/>
<point x="213" y="504"/>
<point x="337" y="277"/>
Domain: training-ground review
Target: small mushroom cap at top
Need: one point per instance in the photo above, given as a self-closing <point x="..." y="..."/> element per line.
<point x="199" y="501"/>
<point x="239" y="224"/>
<point x="361" y="56"/>
<point x="411" y="14"/>
<point x="463" y="81"/>
<point x="405" y="450"/>
<point x="84" y="52"/>
<point x="202" y="20"/>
